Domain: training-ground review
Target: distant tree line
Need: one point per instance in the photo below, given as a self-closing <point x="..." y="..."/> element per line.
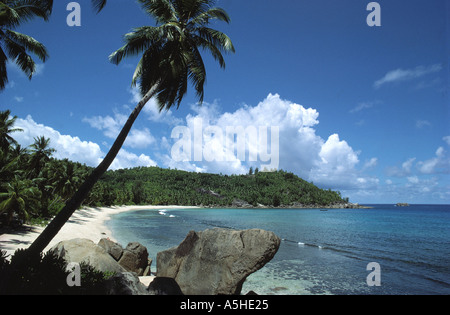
<point x="157" y="186"/>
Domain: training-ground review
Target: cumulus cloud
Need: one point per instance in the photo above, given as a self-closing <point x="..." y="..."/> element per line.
<point x="73" y="148"/>
<point x="111" y="127"/>
<point x="440" y="164"/>
<point x="151" y="110"/>
<point x="405" y="170"/>
<point x="127" y="159"/>
<point x="422" y="178"/>
<point x="408" y="74"/>
<point x="330" y="163"/>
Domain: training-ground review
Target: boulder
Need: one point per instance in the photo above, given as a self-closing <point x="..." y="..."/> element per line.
<point x="217" y="261"/>
<point x="125" y="283"/>
<point x="135" y="258"/>
<point x="84" y="250"/>
<point x="114" y="249"/>
<point x="164" y="286"/>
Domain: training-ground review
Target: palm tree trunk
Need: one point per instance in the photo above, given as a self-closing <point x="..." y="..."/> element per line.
<point x="75" y="202"/>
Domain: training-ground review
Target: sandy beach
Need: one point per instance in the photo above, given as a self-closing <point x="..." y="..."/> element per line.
<point x="86" y="223"/>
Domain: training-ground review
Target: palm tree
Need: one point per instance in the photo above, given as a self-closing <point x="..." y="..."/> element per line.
<point x="170" y="58"/>
<point x="40" y="154"/>
<point x="16" y="46"/>
<point x="18" y="198"/>
<point x="6" y="127"/>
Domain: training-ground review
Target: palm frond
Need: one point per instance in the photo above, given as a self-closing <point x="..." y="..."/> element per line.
<point x="14" y="13"/>
<point x="98" y="5"/>
<point x="136" y="42"/>
<point x="162" y="10"/>
<point x="211" y="14"/>
<point x="28" y="43"/>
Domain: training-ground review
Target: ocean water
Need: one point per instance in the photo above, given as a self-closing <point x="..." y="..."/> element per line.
<point x="322" y="252"/>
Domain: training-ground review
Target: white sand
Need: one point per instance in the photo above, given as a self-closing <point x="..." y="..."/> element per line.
<point x="86" y="223"/>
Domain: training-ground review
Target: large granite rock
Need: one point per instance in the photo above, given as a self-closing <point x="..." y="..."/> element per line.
<point x="84" y="250"/>
<point x="125" y="283"/>
<point x="164" y="286"/>
<point x="112" y="248"/>
<point x="135" y="258"/>
<point x="217" y="261"/>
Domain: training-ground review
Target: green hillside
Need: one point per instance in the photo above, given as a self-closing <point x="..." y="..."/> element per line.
<point x="157" y="186"/>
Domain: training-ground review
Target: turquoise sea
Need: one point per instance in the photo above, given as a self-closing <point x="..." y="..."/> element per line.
<point x="323" y="251"/>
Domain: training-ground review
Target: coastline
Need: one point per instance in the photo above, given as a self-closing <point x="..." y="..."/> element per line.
<point x="88" y="223"/>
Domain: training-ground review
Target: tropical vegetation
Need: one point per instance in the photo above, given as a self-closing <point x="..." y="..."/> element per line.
<point x="14" y="46"/>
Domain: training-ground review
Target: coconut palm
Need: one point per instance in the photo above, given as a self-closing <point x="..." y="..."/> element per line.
<point x="19" y="198"/>
<point x="15" y="46"/>
<point x="40" y="154"/>
<point x="6" y="127"/>
<point x="170" y="59"/>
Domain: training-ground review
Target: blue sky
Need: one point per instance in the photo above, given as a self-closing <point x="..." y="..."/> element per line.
<point x="363" y="110"/>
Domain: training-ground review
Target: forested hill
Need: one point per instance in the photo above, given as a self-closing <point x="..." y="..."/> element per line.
<point x="157" y="186"/>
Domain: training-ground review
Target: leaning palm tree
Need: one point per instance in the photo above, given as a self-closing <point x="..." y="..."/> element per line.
<point x="15" y="46"/>
<point x="170" y="59"/>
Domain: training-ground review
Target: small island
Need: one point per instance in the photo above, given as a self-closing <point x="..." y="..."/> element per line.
<point x="402" y="204"/>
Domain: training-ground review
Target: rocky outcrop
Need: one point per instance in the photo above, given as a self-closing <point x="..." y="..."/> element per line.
<point x="164" y="286"/>
<point x="133" y="258"/>
<point x="114" y="249"/>
<point x="238" y="203"/>
<point x="103" y="257"/>
<point x="84" y="250"/>
<point x="124" y="283"/>
<point x="217" y="261"/>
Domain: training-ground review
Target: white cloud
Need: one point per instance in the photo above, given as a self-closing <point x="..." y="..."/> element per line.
<point x="139" y="138"/>
<point x="405" y="170"/>
<point x="331" y="163"/>
<point x="361" y="106"/>
<point x="422" y="124"/>
<point x="72" y="148"/>
<point x="371" y="163"/>
<point x="66" y="146"/>
<point x="19" y="99"/>
<point x="413" y="179"/>
<point x="408" y="74"/>
<point x="447" y="140"/>
<point x="111" y="127"/>
<point x="151" y="110"/>
<point x="438" y="164"/>
<point x="127" y="159"/>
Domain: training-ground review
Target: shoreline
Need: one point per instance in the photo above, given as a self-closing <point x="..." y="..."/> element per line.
<point x="87" y="223"/>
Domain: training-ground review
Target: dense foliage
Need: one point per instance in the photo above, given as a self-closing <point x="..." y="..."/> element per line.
<point x="45" y="275"/>
<point x="157" y="186"/>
